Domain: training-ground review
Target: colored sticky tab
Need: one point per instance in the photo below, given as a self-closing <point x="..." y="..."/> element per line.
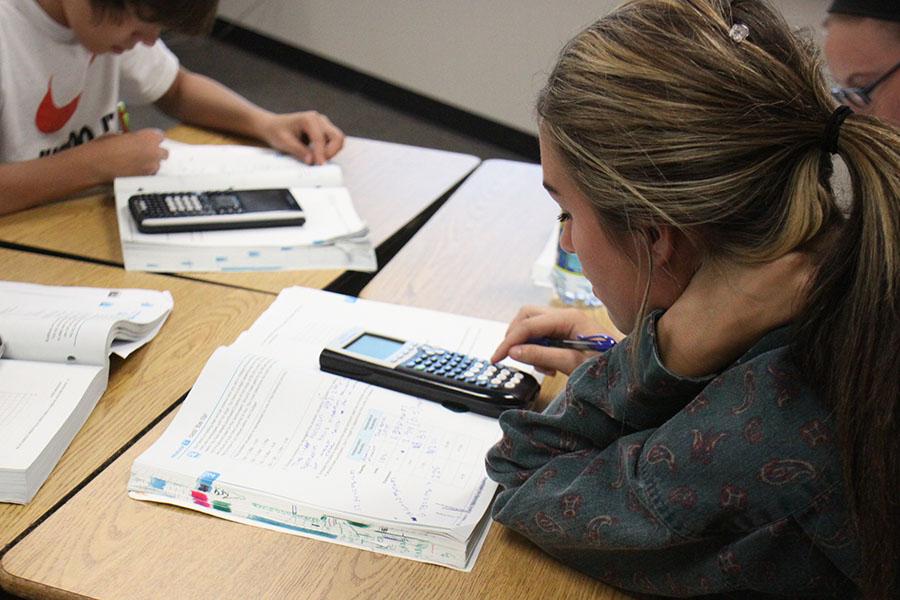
<point x="206" y="479"/>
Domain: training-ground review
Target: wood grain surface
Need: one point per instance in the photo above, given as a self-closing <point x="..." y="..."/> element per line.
<point x="102" y="544"/>
<point x="475" y="255"/>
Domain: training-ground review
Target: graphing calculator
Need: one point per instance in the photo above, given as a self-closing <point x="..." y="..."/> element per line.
<point x="456" y="380"/>
<point x="171" y="212"/>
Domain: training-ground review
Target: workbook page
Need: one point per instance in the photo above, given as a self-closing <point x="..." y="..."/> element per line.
<point x="37" y="401"/>
<point x="223" y="159"/>
<point x="77" y="325"/>
<point x="353" y="450"/>
<point x="305" y="316"/>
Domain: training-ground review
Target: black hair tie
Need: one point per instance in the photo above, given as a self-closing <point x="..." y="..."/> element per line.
<point x="833" y="129"/>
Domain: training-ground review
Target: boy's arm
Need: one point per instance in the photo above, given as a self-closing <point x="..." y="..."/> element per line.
<point x="32" y="182"/>
<point x="199" y="100"/>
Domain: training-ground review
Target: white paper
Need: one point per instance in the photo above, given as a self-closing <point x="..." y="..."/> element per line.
<point x="68" y="324"/>
<point x="374" y="173"/>
<point x="265" y="437"/>
<point x="215" y="159"/>
<point x="353" y="450"/>
<point x="56" y="344"/>
<point x="36" y="399"/>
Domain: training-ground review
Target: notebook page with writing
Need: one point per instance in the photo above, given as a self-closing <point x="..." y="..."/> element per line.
<point x="333" y="444"/>
<point x="267" y="438"/>
<point x="216" y="159"/>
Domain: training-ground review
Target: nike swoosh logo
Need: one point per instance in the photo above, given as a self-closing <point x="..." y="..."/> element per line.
<point x="51" y="118"/>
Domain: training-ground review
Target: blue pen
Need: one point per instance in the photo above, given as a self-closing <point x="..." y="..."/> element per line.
<point x="596" y="343"/>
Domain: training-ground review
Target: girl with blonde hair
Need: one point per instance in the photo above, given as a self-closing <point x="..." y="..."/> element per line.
<point x="742" y="438"/>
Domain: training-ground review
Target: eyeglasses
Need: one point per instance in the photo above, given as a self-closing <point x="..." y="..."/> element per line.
<point x="861" y="97"/>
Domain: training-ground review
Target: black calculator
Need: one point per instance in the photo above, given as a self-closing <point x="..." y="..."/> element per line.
<point x="458" y="381"/>
<point x="169" y="212"/>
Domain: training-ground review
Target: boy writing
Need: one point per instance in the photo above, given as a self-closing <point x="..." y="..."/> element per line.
<point x="64" y="66"/>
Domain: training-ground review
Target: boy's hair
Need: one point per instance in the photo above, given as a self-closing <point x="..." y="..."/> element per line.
<point x="193" y="17"/>
<point x="665" y="116"/>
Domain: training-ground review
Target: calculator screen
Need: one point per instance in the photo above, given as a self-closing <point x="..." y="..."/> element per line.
<point x="374" y="346"/>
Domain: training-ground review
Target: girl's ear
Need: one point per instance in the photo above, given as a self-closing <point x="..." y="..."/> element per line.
<point x="662" y="241"/>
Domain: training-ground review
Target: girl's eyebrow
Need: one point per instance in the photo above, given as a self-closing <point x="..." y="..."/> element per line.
<point x="550" y="188"/>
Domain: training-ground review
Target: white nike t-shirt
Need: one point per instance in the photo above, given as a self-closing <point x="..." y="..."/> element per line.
<point x="55" y="94"/>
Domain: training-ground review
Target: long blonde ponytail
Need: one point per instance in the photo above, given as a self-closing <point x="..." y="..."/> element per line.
<point x="663" y="116"/>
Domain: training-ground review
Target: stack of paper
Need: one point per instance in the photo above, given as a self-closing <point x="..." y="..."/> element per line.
<point x="56" y="345"/>
<point x="333" y="236"/>
<point x="266" y="438"/>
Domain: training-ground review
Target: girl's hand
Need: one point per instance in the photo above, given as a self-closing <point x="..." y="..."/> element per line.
<point x="538" y="321"/>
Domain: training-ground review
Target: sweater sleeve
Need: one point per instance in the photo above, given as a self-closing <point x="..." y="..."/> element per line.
<point x="665" y="485"/>
<point x="604" y="400"/>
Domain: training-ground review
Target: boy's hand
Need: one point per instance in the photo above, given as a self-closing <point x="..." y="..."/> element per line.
<point x="129" y="154"/>
<point x="541" y="321"/>
<point x="308" y="136"/>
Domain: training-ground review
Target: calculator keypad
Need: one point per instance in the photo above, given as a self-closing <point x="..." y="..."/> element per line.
<point x="185" y="204"/>
<point x="436" y="363"/>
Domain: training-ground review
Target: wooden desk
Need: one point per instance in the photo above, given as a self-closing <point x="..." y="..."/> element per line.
<point x="101" y="544"/>
<point x="475" y="255"/>
<point x="87" y="227"/>
<point x="140" y="388"/>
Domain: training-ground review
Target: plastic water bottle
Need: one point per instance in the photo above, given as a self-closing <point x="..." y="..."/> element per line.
<point x="571" y="286"/>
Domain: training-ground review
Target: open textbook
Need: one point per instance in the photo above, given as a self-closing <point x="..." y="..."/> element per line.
<point x="371" y="172"/>
<point x="333" y="237"/>
<point x="56" y="343"/>
<point x="266" y="438"/>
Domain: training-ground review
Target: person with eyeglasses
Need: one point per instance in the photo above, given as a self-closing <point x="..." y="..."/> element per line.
<point x="862" y="46"/>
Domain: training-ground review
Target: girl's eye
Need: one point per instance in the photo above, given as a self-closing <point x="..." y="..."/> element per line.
<point x="563" y="217"/>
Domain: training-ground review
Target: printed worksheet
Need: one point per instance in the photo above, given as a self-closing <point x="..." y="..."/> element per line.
<point x="349" y="449"/>
<point x="267" y="438"/>
<point x="302" y="315"/>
